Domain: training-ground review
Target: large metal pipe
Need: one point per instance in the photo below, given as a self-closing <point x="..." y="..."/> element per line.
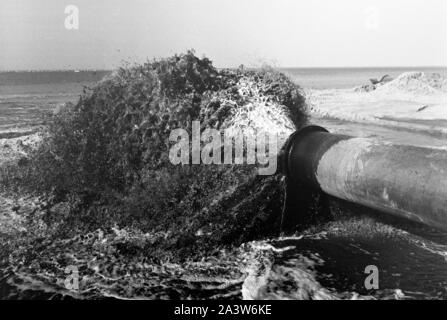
<point x="403" y="180"/>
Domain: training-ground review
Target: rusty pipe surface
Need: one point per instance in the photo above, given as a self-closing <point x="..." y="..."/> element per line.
<point x="403" y="180"/>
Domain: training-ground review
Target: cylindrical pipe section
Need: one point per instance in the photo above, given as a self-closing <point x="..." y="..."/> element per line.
<point x="403" y="180"/>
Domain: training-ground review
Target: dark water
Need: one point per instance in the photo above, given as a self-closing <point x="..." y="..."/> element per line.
<point x="325" y="262"/>
<point x="405" y="269"/>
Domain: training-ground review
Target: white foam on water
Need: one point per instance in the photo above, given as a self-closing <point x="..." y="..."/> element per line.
<point x="267" y="279"/>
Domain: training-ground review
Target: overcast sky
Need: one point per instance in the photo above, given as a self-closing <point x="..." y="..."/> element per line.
<point x="283" y="33"/>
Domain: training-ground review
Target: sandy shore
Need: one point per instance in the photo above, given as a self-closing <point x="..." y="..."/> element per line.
<point x="412" y="109"/>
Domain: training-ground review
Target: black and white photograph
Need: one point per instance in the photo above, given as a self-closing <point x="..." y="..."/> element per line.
<point x="222" y="154"/>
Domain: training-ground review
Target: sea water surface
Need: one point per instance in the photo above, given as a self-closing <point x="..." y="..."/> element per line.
<point x="327" y="262"/>
<point x="25" y="96"/>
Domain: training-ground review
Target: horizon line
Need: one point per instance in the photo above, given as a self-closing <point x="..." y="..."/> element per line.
<point x="282" y="67"/>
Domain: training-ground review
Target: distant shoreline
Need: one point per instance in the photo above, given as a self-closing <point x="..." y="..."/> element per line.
<point x="248" y="67"/>
<point x="309" y="78"/>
